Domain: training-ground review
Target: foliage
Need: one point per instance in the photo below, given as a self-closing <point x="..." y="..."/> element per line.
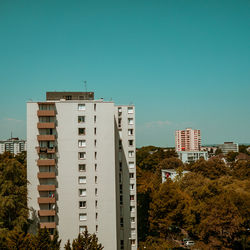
<point x="243" y="149"/>
<point x="211" y="204"/>
<point x="84" y="241"/>
<point x="231" y="156"/>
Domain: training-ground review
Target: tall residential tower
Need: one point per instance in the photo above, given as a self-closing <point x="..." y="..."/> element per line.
<point x="188" y="140"/>
<point x="82" y="168"/>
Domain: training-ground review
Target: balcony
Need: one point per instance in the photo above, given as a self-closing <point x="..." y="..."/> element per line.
<point x="46" y="125"/>
<point x="46" y="212"/>
<point x="47" y="224"/>
<point x="45" y="150"/>
<point x="46" y="175"/>
<point x="46" y="188"/>
<point x="46" y="137"/>
<point x="46" y="200"/>
<point x="46" y="162"/>
<point x="46" y="113"/>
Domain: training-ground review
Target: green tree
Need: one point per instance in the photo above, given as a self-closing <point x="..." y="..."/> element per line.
<point x="84" y="241"/>
<point x="231" y="156"/>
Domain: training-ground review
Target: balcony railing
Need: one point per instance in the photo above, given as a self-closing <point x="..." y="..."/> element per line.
<point x="46" y="212"/>
<point x="46" y="125"/>
<point x="46" y="187"/>
<point x="46" y="200"/>
<point x="46" y="162"/>
<point x="45" y="150"/>
<point x="46" y="175"/>
<point x="46" y="137"/>
<point x="46" y="113"/>
<point x="47" y="224"/>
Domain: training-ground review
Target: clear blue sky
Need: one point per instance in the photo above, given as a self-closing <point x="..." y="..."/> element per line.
<point x="182" y="63"/>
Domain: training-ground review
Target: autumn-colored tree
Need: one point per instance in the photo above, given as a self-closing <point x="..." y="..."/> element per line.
<point x="231" y="156"/>
<point x="84" y="241"/>
<point x="168" y="209"/>
<point x="212" y="169"/>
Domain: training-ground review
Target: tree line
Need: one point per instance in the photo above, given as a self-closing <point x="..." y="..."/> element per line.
<point x="210" y="204"/>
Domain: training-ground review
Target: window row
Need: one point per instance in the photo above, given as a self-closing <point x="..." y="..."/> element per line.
<point x="83" y="192"/>
<point x="83" y="106"/>
<point x="82" y="229"/>
<point x="82" y="167"/>
<point x="82" y="155"/>
<point x="130" y="122"/>
<point x="83" y="180"/>
<point x="82" y="131"/>
<point x="81" y="119"/>
<point x="129" y="109"/>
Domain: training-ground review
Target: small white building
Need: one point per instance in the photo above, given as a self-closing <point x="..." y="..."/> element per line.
<point x="192" y="156"/>
<point x="229" y="147"/>
<point x="13" y="145"/>
<point x="170" y="173"/>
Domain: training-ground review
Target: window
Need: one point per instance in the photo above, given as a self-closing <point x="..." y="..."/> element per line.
<point x="119" y="110"/>
<point x="131" y="186"/>
<point x="81" y="119"/>
<point x="130" y="153"/>
<point x="82" y="229"/>
<point x="94" y="118"/>
<point x="95" y="107"/>
<point x="82" y="167"/>
<point x="94" y="131"/>
<point x="95" y="179"/>
<point x="130" y="131"/>
<point x="130" y="143"/>
<point x="95" y="155"/>
<point x="95" y="167"/>
<point x="132" y="219"/>
<point x="81" y="143"/>
<point x="120" y="188"/>
<point x="132" y="208"/>
<point x="121" y="199"/>
<point x="82" y="155"/>
<point x="131" y="164"/>
<point x="96" y="203"/>
<point x="120" y="144"/>
<point x="82" y="204"/>
<point x="81" y="107"/>
<point x="119" y="122"/>
<point x="122" y="244"/>
<point x="121" y="222"/>
<point x="68" y="97"/>
<point x="130" y="121"/>
<point x="95" y="191"/>
<point x="96" y="216"/>
<point x="82" y="217"/>
<point x="82" y="180"/>
<point x="96" y="228"/>
<point x="132" y="241"/>
<point x="131" y="175"/>
<point x="81" y="131"/>
<point x="132" y="197"/>
<point x="95" y="143"/>
<point x="120" y="165"/>
<point x="130" y="110"/>
<point x="82" y="192"/>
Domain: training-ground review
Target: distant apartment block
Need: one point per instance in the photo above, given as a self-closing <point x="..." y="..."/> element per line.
<point x="82" y="169"/>
<point x="13" y="145"/>
<point x="188" y="140"/>
<point x="229" y="147"/>
<point x="192" y="156"/>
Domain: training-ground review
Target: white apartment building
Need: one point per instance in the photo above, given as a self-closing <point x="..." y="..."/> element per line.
<point x="13" y="145"/>
<point x="229" y="147"/>
<point x="81" y="168"/>
<point x="192" y="156"/>
<point x="188" y="140"/>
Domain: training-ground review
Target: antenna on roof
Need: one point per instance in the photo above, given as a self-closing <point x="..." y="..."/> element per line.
<point x="85" y="85"/>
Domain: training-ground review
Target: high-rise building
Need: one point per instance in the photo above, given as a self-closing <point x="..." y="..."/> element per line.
<point x="229" y="147"/>
<point x="188" y="140"/>
<point x="81" y="168"/>
<point x="13" y="145"/>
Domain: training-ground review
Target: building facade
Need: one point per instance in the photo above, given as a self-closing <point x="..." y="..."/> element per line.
<point x="188" y="140"/>
<point x="192" y="156"/>
<point x="13" y="145"/>
<point x="229" y="147"/>
<point x="81" y="168"/>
